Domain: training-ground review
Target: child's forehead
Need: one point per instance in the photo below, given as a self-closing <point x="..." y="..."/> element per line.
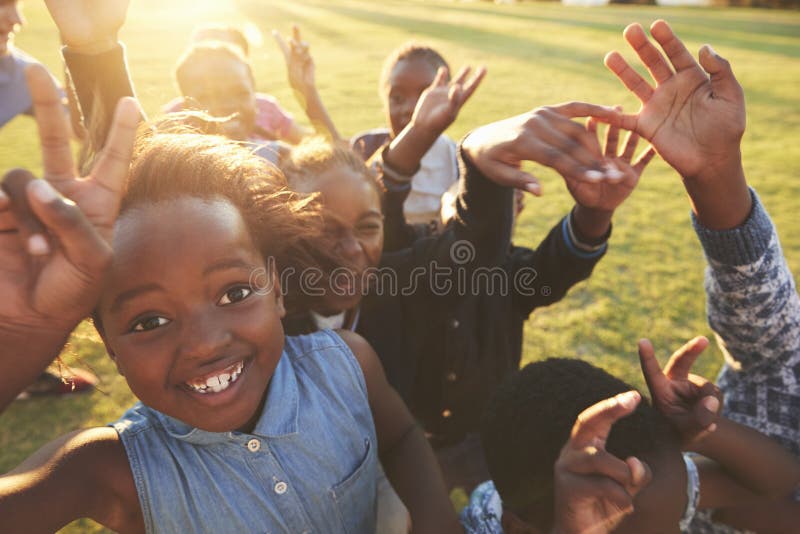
<point x="416" y="67"/>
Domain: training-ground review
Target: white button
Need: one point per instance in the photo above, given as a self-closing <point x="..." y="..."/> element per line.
<point x="452" y="377"/>
<point x="454" y="324"/>
<point x="281" y="487"/>
<point x="253" y="445"/>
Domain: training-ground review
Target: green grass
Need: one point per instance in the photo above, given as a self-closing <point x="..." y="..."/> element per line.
<point x="649" y="284"/>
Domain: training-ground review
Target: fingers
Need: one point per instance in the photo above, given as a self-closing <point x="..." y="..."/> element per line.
<point x="281" y="43"/>
<point x="723" y="81"/>
<point x="594" y="461"/>
<point x="594" y="423"/>
<point x="644" y="160"/>
<point x="462" y="75"/>
<point x="706" y="412"/>
<point x="296" y="34"/>
<point x="648" y="53"/>
<point x="583" y="109"/>
<point x="441" y="78"/>
<point x="629" y="77"/>
<point x="682" y="360"/>
<point x="473" y="83"/>
<point x="651" y="370"/>
<point x="51" y="122"/>
<point x="677" y="53"/>
<point x="641" y="475"/>
<point x="32" y="231"/>
<point x="511" y="176"/>
<point x="570" y="146"/>
<point x="78" y="239"/>
<point x="630" y="146"/>
<point x="112" y="165"/>
<point x="612" y="141"/>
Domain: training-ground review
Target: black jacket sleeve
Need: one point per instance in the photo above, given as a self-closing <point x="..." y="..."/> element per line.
<point x="99" y="80"/>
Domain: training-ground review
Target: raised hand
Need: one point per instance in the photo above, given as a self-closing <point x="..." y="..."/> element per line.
<point x="621" y="175"/>
<point x="594" y="490"/>
<point x="299" y="63"/>
<point x="438" y="106"/>
<point x="690" y="402"/>
<point x="695" y="115"/>
<point x="545" y="135"/>
<point x="55" y="237"/>
<point x="88" y="26"/>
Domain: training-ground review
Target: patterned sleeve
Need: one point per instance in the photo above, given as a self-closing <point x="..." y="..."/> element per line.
<point x="753" y="306"/>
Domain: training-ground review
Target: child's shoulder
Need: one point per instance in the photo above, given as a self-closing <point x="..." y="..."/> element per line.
<point x="366" y="143"/>
<point x="327" y="356"/>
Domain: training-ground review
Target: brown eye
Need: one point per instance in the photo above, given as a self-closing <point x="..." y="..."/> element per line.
<point x="235" y="295"/>
<point x="149" y="323"/>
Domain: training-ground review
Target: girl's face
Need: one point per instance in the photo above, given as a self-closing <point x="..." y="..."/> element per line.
<point x="222" y="86"/>
<point x="408" y="79"/>
<point x="353" y="210"/>
<point x="191" y="336"/>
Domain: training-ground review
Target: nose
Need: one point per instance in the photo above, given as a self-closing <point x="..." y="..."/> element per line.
<point x="204" y="336"/>
<point x="350" y="247"/>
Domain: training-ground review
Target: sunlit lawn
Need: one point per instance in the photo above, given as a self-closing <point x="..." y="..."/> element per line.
<point x="650" y="283"/>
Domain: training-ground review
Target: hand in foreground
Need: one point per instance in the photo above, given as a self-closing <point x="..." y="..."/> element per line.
<point x="690" y="402"/>
<point x="55" y="233"/>
<point x="438" y="106"/>
<point x="88" y="26"/>
<point x="695" y="115"/>
<point x="594" y="490"/>
<point x="545" y="135"/>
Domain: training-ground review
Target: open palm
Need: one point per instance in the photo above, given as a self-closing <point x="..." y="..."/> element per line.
<point x="50" y="280"/>
<point x="694" y="113"/>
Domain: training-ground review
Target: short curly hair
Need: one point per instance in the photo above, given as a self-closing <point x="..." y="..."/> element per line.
<point x="530" y="417"/>
<point x="407" y="52"/>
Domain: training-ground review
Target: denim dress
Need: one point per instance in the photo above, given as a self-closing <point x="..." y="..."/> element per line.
<point x="310" y="464"/>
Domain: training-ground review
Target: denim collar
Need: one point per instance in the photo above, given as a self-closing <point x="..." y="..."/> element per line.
<point x="278" y="419"/>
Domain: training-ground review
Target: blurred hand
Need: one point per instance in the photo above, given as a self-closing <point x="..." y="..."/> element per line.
<point x="438" y="106"/>
<point x="88" y="26"/>
<point x="594" y="490"/>
<point x="55" y="233"/>
<point x="690" y="402"/>
<point x="695" y="115"/>
<point x="299" y="63"/>
<point x="545" y="135"/>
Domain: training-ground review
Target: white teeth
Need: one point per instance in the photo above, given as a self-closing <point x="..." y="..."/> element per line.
<point x="219" y="382"/>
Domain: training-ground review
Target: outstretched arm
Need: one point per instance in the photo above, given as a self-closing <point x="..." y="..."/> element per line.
<point x="95" y="59"/>
<point x="745" y="462"/>
<point x="436" y="109"/>
<point x="694" y="117"/>
<point x="300" y="70"/>
<point x="55" y="238"/>
<point x="406" y="456"/>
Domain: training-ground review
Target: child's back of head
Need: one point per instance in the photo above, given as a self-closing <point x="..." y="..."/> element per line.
<point x="530" y="417"/>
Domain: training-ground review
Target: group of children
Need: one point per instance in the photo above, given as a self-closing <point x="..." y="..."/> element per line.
<point x="346" y="406"/>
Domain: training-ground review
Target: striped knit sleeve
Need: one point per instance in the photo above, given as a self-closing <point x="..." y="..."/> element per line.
<point x="752" y="302"/>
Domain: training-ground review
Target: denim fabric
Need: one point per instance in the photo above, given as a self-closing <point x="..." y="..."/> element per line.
<point x="310" y="464"/>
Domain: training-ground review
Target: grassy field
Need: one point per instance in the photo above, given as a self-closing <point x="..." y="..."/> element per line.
<point x="649" y="284"/>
